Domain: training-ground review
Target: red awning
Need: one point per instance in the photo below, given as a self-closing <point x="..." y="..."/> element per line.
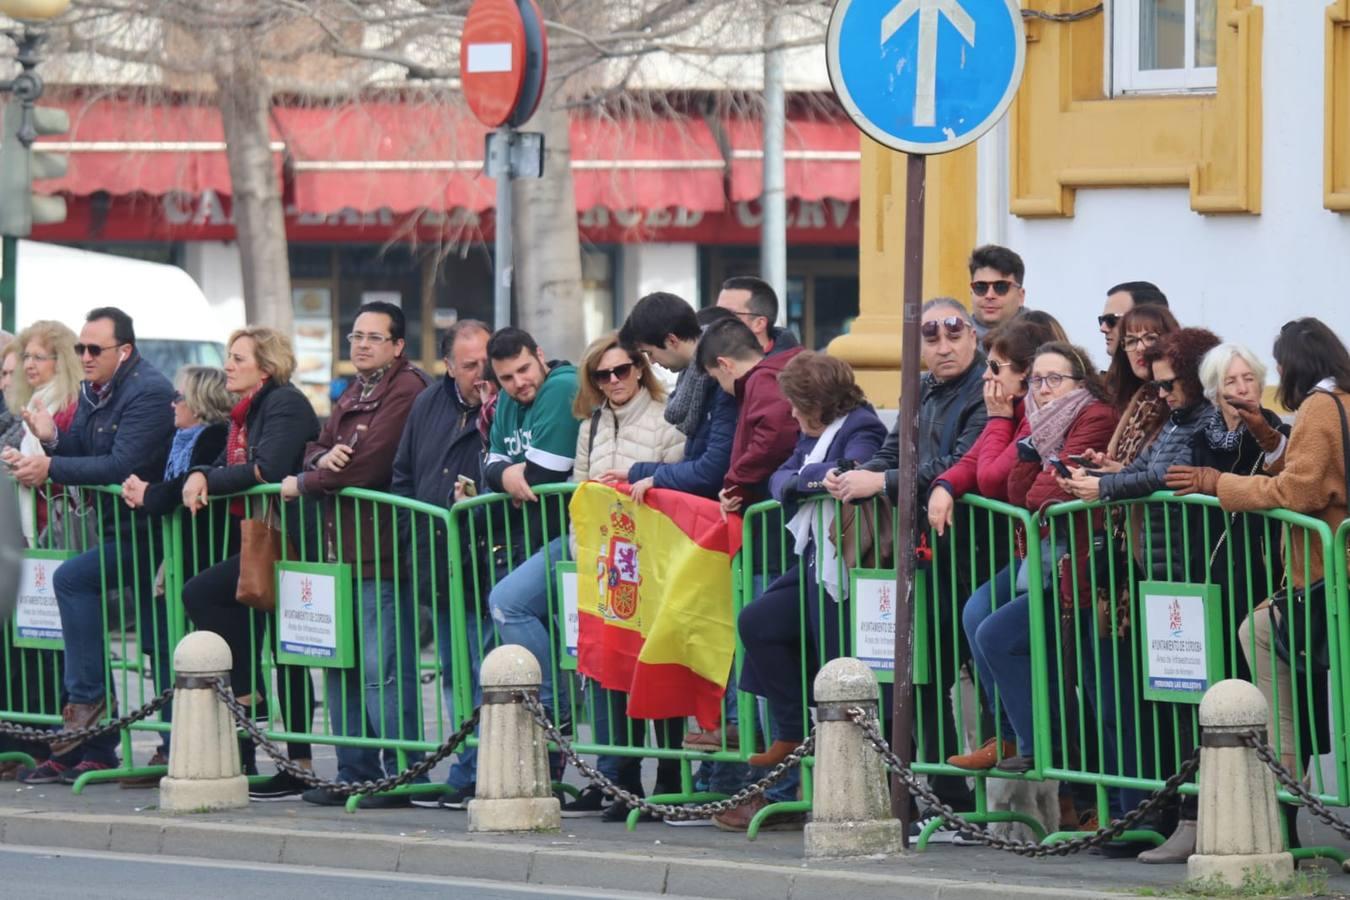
<point x="406" y="156"/>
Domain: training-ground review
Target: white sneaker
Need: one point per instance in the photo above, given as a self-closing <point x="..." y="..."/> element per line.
<point x="943" y="834"/>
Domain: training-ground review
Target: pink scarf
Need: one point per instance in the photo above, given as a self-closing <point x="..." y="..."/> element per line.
<point x="1050" y="424"/>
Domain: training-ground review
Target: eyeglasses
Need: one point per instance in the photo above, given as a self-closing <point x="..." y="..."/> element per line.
<point x="618" y="373"/>
<point x="955" y="326"/>
<point x="749" y="315"/>
<point x="1001" y="287"/>
<point x="94" y="350"/>
<point x="1135" y="341"/>
<point x="1052" y="381"/>
<point x="997" y="367"/>
<point x="1110" y="320"/>
<point x="37" y="357"/>
<point x="1164" y="385"/>
<point x="178" y="397"/>
<point x="375" y="340"/>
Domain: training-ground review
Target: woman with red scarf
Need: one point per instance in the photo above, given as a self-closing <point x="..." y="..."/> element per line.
<point x="269" y="428"/>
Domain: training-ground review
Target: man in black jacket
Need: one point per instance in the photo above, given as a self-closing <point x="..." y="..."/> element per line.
<point x="123" y="426"/>
<point x="951" y="416"/>
<point x="441" y="443"/>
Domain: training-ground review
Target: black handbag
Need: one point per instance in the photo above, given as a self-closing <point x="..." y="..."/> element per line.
<point x="1302" y="612"/>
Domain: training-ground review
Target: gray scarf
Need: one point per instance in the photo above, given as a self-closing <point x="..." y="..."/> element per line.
<point x="684" y="409"/>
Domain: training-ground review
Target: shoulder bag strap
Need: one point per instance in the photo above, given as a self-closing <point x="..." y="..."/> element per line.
<point x="595" y="427"/>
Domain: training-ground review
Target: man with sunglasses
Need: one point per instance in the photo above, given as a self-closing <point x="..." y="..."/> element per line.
<point x="952" y="414"/>
<point x="996" y="292"/>
<point x="1121" y="299"/>
<point x="123" y="426"/>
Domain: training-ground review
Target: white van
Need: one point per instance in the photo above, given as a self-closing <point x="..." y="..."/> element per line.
<point x="175" y="325"/>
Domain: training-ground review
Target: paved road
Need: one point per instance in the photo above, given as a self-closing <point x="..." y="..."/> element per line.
<point x="58" y="875"/>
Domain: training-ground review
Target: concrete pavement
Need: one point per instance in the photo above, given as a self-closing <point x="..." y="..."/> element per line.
<point x="588" y="854"/>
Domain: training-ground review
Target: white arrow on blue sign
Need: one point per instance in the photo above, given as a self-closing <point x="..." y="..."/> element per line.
<point x="925" y="76"/>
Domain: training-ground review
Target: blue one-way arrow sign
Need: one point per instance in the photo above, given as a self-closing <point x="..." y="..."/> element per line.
<point x="925" y="76"/>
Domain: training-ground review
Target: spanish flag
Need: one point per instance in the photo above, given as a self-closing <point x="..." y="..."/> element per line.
<point x="654" y="599"/>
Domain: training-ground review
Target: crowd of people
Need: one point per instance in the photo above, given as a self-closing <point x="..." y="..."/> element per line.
<point x="1009" y="410"/>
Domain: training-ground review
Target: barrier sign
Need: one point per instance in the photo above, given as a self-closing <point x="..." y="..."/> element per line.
<point x="1180" y="634"/>
<point x="314" y="614"/>
<point x="872" y="595"/>
<point x="567" y="600"/>
<point x="37" y="619"/>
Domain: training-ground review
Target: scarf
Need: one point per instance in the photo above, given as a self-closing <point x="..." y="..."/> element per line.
<point x="236" y="443"/>
<point x="1051" y="423"/>
<point x="1144" y="417"/>
<point x="370" y="382"/>
<point x="180" y="454"/>
<point x="816" y="520"/>
<point x="1215" y="429"/>
<point x="684" y="409"/>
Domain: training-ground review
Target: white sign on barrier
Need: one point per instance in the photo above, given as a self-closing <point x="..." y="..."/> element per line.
<point x="567" y="597"/>
<point x="313" y="613"/>
<point x="37" y="618"/>
<point x="873" y="597"/>
<point x="1179" y="623"/>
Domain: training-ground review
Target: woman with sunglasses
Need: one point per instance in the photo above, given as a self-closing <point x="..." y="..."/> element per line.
<point x="622" y="406"/>
<point x="1066" y="413"/>
<point x="201" y="413"/>
<point x="1159" y="552"/>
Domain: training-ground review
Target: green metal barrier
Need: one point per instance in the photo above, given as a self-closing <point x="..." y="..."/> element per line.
<point x="1124" y="686"/>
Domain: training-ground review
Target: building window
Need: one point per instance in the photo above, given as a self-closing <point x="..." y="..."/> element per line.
<point x="1164" y="45"/>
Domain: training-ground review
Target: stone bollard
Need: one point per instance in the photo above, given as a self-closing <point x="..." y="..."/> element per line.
<point x="204" y="771"/>
<point x="514" y="791"/>
<point x="1239" y="828"/>
<point x="850" y="802"/>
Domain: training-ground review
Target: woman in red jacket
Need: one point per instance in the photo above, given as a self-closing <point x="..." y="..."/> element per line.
<point x="1066" y="414"/>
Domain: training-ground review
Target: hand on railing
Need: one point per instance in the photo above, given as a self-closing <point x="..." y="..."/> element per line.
<point x="941" y="505"/>
<point x="29" y="471"/>
<point x="1081" y="485"/>
<point x="133" y="492"/>
<point x="1192" y="480"/>
<point x="194" y="492"/>
<point x="854" y="485"/>
<point x="517" y="485"/>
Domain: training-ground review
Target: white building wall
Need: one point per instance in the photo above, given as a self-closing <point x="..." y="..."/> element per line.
<point x="660" y="267"/>
<point x="215" y="267"/>
<point x="1242" y="276"/>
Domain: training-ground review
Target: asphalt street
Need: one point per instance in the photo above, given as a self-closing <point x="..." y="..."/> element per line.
<point x="39" y="874"/>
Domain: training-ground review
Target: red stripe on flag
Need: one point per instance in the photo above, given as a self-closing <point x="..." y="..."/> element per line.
<point x="668" y="690"/>
<point x="606" y="653"/>
<point x="699" y="518"/>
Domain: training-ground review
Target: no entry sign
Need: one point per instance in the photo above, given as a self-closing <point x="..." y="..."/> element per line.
<point x="502" y="60"/>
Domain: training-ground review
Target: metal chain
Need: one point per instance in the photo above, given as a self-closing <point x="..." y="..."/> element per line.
<point x="677" y="813"/>
<point x="1292" y="784"/>
<point x="244" y="720"/>
<point x="80" y="735"/>
<point x="1064" y="17"/>
<point x="1102" y="836"/>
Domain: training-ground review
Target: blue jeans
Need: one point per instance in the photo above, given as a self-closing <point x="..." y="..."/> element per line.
<point x="519" y="604"/>
<point x="81" y="585"/>
<point x="989" y="597"/>
<point x="379" y="696"/>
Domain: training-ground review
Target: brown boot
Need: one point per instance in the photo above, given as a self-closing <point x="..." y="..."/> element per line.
<point x="1176" y="849"/>
<point x="712" y="741"/>
<point x="146" y="781"/>
<point x="738" y="819"/>
<point x="1068" y="813"/>
<point x="78" y="715"/>
<point x="984" y="758"/>
<point x="777" y="752"/>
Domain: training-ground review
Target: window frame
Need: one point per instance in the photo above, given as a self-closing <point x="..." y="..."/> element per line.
<point x="1128" y="79"/>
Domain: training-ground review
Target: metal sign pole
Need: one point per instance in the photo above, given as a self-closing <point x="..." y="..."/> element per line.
<point x="501" y="294"/>
<point x="902" y="706"/>
<point x="9" y="285"/>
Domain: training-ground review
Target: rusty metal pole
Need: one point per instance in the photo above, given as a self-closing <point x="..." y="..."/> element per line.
<point x="907" y="505"/>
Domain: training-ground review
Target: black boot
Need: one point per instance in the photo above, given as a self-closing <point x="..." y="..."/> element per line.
<point x="1289" y="812"/>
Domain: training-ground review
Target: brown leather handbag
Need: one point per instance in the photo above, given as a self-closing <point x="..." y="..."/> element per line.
<point x="259" y="552"/>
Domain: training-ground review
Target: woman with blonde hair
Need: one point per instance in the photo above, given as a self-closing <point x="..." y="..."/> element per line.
<point x="49" y="379"/>
<point x="622" y="406"/>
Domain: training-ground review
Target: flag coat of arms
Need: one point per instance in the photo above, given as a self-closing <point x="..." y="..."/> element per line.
<point x="654" y="599"/>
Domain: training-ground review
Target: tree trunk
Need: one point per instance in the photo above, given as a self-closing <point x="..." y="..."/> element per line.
<point x="245" y="101"/>
<point x="547" y="285"/>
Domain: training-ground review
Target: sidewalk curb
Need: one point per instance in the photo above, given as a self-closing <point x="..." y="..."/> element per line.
<point x="502" y="861"/>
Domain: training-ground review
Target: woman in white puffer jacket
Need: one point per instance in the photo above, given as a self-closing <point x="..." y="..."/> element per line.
<point x="622" y="407"/>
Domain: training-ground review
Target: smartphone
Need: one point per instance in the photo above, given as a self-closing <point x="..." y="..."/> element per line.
<point x="470" y="486"/>
<point x="1081" y="461"/>
<point x="1059" y="467"/>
